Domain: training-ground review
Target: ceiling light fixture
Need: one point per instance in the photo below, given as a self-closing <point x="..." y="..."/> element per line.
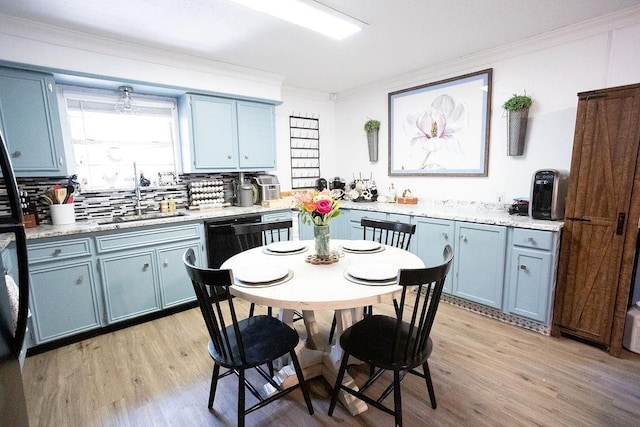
<point x="307" y="16"/>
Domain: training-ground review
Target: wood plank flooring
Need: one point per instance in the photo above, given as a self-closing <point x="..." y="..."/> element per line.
<point x="485" y="373"/>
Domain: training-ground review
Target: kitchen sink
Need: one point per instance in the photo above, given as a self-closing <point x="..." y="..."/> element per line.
<point x="144" y="217"/>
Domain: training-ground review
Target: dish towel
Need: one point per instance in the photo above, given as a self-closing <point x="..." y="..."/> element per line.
<point x="14" y="297"/>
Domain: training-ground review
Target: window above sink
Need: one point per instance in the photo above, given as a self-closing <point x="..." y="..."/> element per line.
<point x="107" y="138"/>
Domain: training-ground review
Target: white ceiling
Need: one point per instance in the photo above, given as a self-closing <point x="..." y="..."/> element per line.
<point x="401" y="35"/>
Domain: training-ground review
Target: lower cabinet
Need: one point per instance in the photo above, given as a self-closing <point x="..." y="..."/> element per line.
<point x="151" y="277"/>
<point x="432" y="235"/>
<point x="64" y="291"/>
<point x="479" y="263"/>
<point x="130" y="285"/>
<point x="530" y="273"/>
<point x="83" y="283"/>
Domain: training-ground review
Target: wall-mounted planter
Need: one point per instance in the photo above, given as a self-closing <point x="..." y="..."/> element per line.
<point x="372" y="140"/>
<point x="516" y="131"/>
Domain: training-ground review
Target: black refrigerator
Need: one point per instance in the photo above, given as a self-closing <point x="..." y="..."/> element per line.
<point x="13" y="407"/>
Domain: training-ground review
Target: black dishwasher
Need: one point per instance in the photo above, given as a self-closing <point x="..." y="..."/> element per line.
<point x="221" y="243"/>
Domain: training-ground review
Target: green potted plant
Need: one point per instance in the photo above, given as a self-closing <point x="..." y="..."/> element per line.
<point x="517" y="108"/>
<point x="371" y="127"/>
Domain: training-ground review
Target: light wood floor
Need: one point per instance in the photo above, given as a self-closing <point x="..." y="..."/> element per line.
<point x="485" y="373"/>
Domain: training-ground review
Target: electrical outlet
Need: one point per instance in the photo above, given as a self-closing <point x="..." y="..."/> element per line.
<point x="500" y="198"/>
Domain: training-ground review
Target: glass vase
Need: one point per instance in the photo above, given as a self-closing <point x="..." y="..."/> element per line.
<point x="321" y="237"/>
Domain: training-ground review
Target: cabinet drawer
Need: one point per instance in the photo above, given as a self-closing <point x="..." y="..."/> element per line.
<point x="148" y="237"/>
<point x="536" y="239"/>
<point x="356" y="215"/>
<point x="60" y="250"/>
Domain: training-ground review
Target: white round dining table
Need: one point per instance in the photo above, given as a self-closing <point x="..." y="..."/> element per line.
<point x="320" y="287"/>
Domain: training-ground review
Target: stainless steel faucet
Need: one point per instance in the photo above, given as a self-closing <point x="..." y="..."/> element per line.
<point x="136" y="179"/>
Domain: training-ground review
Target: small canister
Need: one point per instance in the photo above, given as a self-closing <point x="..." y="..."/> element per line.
<point x="245" y="195"/>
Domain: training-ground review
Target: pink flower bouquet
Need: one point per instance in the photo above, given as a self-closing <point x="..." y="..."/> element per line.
<point x="317" y="207"/>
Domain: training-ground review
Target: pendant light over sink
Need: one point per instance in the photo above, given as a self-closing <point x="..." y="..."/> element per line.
<point x="126" y="105"/>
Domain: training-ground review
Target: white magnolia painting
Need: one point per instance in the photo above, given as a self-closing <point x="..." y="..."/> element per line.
<point x="441" y="128"/>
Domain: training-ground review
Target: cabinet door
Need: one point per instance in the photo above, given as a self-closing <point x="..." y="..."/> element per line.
<point x="529" y="277"/>
<point x="479" y="263"/>
<point x="432" y="235"/>
<point x="213" y="133"/>
<point x="339" y="226"/>
<point x="256" y="135"/>
<point x="64" y="300"/>
<point x="30" y="123"/>
<point x="175" y="285"/>
<point x="130" y="285"/>
<point x="356" y="231"/>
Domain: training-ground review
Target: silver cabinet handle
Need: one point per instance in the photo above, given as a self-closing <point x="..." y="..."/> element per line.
<point x="229" y="156"/>
<point x="246" y="157"/>
<point x="463" y="238"/>
<point x="61" y="161"/>
<point x="446" y="236"/>
<point x="531" y="239"/>
<point x="50" y="87"/>
<point x="523" y="267"/>
<point x="57" y="252"/>
<point x="145" y="266"/>
<point x="80" y="280"/>
<point x="166" y="263"/>
<point x="17" y="153"/>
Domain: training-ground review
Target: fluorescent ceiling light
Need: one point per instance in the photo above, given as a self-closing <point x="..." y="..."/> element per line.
<point x="304" y="15"/>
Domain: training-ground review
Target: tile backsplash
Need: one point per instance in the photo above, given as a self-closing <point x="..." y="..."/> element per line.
<point x="96" y="205"/>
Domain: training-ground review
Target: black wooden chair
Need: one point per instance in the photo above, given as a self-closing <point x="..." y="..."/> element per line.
<point x="253" y="235"/>
<point x="239" y="345"/>
<point x="391" y="233"/>
<point x="400" y="343"/>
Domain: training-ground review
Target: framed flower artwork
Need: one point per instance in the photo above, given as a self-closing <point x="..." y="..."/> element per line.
<point x="441" y="128"/>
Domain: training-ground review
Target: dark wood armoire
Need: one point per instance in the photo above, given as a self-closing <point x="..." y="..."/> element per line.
<point x="598" y="243"/>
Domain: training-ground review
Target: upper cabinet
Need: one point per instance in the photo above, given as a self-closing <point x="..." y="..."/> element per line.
<point x="30" y="123"/>
<point x="220" y="134"/>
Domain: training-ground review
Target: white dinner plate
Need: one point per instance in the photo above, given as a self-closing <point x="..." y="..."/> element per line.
<point x="287" y="246"/>
<point x="361" y="245"/>
<point x="375" y="272"/>
<point x="261" y="273"/>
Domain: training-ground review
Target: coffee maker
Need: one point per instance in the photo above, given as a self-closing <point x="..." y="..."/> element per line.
<point x="548" y="193"/>
<point x="321" y="184"/>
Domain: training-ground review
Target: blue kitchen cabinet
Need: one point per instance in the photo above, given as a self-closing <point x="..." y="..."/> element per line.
<point x="221" y="134"/>
<point x="64" y="291"/>
<point x="130" y="285"/>
<point x="142" y="271"/>
<point x="356" y="231"/>
<point x="256" y="135"/>
<point x="432" y="235"/>
<point x="530" y="273"/>
<point x="479" y="263"/>
<point x="175" y="286"/>
<point x="30" y="123"/>
<point x="208" y="125"/>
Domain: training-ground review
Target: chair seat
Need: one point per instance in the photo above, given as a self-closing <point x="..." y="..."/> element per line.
<point x="265" y="339"/>
<point x="371" y="341"/>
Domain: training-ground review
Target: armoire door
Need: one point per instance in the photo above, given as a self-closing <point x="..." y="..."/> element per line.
<point x="603" y="166"/>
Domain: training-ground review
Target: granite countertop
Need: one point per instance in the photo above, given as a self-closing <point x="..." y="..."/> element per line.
<point x="459" y="211"/>
<point x="93" y="226"/>
<point x="449" y="210"/>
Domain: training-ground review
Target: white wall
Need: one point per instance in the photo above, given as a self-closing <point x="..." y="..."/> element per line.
<point x="552" y="69"/>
